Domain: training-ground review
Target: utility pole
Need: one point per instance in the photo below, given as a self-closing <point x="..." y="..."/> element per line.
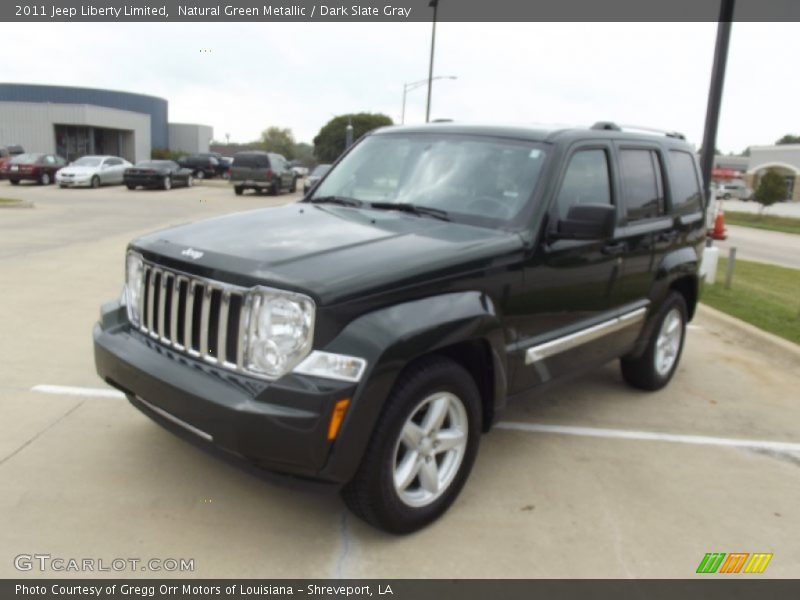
<point x="715" y="94"/>
<point x="435" y="5"/>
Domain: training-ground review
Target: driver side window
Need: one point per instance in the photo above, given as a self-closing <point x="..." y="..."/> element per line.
<point x="585" y="182"/>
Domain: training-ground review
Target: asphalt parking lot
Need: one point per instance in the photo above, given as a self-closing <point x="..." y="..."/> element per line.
<point x="591" y="479"/>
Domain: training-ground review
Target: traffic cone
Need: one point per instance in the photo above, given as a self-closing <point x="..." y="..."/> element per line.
<point x="719" y="232"/>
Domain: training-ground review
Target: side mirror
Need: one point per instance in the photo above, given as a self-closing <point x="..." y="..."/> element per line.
<point x="587" y="222"/>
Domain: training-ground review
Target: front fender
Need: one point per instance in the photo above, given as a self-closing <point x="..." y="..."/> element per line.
<point x="391" y="338"/>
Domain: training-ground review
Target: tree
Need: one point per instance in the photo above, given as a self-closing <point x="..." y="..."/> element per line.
<point x="304" y="153"/>
<point x="788" y="139"/>
<point x="330" y="140"/>
<point x="771" y="189"/>
<point x="281" y="141"/>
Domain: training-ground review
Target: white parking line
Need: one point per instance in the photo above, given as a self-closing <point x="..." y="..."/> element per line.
<point x="65" y="390"/>
<point x="620" y="434"/>
<point x="650" y="436"/>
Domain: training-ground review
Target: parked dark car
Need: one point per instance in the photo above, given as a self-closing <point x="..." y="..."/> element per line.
<point x="33" y="166"/>
<point x="6" y="154"/>
<point x="225" y="164"/>
<point x="262" y="172"/>
<point x="163" y="174"/>
<point x="367" y="335"/>
<point x="313" y="179"/>
<point x="201" y="165"/>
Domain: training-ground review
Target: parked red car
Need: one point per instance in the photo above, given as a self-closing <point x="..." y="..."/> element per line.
<point x="33" y="166"/>
<point x="6" y="154"/>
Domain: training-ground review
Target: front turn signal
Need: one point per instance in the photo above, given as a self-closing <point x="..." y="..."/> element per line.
<point x="339" y="410"/>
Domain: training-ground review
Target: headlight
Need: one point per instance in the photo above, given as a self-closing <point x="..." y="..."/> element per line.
<point x="280" y="332"/>
<point x="134" y="284"/>
<point x="332" y="366"/>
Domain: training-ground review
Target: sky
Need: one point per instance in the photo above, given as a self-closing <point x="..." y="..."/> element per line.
<point x="243" y="78"/>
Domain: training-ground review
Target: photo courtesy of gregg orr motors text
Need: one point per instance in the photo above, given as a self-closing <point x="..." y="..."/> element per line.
<point x="44" y="563"/>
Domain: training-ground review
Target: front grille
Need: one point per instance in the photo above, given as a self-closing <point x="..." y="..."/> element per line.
<point x="198" y="316"/>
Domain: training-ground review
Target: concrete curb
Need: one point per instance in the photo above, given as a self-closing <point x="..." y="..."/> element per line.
<point x="777" y="348"/>
<point x="19" y="204"/>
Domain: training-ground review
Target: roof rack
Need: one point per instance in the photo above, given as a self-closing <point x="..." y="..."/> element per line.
<point x="610" y="126"/>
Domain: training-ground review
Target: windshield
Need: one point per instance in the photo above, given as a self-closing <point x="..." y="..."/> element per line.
<point x="88" y="161"/>
<point x="474" y="176"/>
<point x="320" y="170"/>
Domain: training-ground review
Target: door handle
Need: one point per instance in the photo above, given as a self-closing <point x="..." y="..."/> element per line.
<point x="613" y="248"/>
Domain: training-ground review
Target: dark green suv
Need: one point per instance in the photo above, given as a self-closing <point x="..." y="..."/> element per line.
<point x="262" y="172"/>
<point x="368" y="334"/>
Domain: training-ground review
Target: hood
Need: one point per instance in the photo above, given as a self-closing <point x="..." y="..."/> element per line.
<point x="330" y="253"/>
<point x="79" y="170"/>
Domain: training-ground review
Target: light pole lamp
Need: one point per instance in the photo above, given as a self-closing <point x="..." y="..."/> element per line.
<point x="413" y="85"/>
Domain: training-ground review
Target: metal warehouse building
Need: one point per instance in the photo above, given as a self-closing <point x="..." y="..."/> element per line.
<point x="72" y="122"/>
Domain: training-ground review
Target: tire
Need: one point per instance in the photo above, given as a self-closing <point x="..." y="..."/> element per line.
<point x="130" y="186"/>
<point x="44" y="179"/>
<point x="14" y="181"/>
<point x="726" y="197"/>
<point x="658" y="363"/>
<point x="189" y="181"/>
<point x="199" y="174"/>
<point x="166" y="184"/>
<point x="95" y="182"/>
<point x="62" y="186"/>
<point x="238" y="190"/>
<point x="275" y="189"/>
<point x="293" y="189"/>
<point x="374" y="494"/>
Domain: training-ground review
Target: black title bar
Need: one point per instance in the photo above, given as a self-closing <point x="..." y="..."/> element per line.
<point x="394" y="11"/>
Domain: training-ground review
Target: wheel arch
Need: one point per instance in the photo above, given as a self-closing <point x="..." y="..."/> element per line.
<point x="462" y="326"/>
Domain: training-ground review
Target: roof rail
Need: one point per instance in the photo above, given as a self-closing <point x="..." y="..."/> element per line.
<point x="610" y="126"/>
<point x="606" y="126"/>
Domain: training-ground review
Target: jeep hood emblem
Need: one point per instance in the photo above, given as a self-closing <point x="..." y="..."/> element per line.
<point x="192" y="253"/>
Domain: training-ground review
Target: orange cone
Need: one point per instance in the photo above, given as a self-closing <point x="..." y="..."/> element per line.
<point x="719" y="232"/>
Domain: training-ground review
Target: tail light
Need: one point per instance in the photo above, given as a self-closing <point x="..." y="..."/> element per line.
<point x="230" y="171"/>
<point x="270" y="174"/>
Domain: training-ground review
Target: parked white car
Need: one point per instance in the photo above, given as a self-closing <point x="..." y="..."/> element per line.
<point x="93" y="171"/>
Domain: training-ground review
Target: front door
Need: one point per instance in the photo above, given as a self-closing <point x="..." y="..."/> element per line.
<point x="569" y="284"/>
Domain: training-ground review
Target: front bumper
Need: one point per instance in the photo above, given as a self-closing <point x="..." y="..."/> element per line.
<point x="281" y="425"/>
<point x="74" y="182"/>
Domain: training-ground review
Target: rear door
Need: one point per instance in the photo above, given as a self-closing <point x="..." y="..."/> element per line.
<point x="646" y="230"/>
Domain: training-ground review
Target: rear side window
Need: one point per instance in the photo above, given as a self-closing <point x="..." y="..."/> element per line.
<point x="253" y="161"/>
<point x="585" y="182"/>
<point x="686" y="193"/>
<point x="643" y="189"/>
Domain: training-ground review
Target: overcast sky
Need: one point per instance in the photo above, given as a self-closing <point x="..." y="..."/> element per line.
<point x="299" y="75"/>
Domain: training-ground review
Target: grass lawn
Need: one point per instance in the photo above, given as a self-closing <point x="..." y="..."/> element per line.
<point x="9" y="201"/>
<point x="764" y="295"/>
<point x="771" y="222"/>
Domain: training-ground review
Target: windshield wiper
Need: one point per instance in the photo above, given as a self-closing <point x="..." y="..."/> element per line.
<point x="414" y="209"/>
<point x="341" y="200"/>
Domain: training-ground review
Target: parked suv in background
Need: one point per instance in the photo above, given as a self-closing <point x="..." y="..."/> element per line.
<point x="367" y="335"/>
<point x="202" y="165"/>
<point x="262" y="172"/>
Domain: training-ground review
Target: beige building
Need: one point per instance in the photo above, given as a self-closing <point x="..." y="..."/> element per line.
<point x="785" y="159"/>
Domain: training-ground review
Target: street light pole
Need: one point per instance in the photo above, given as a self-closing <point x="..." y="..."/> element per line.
<point x="435" y="5"/>
<point x="407" y="87"/>
<point x="715" y="94"/>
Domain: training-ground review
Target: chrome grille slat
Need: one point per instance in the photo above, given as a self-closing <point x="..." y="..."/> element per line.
<point x="205" y="309"/>
<point x="173" y="311"/>
<point x="244" y="320"/>
<point x="151" y="298"/>
<point x="189" y="315"/>
<point x="162" y="306"/>
<point x="222" y="326"/>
